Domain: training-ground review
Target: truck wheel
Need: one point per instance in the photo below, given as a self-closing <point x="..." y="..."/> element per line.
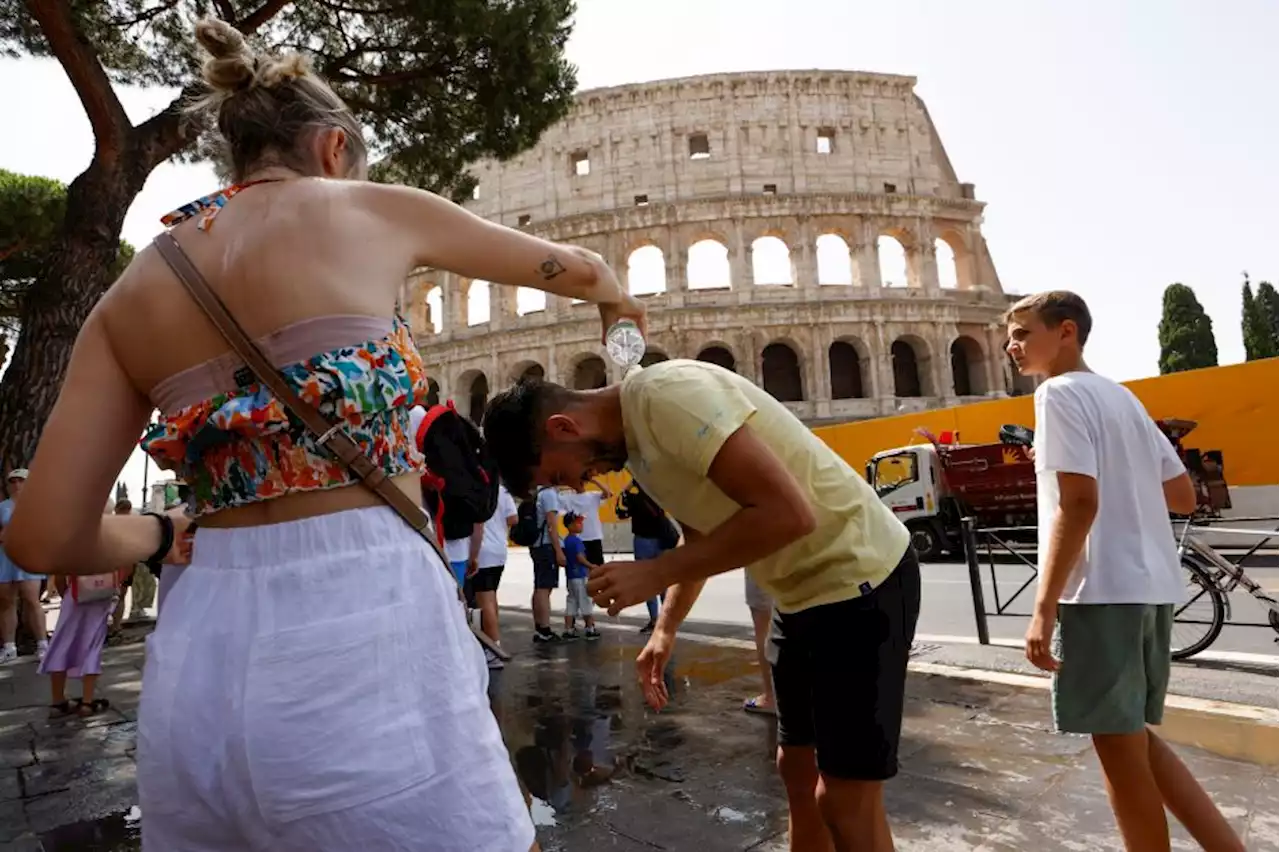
<point x="926" y="541"/>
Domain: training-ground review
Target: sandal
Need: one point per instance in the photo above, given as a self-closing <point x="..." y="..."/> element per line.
<point x="753" y="705"/>
<point x="92" y="708"/>
<point x="65" y="707"/>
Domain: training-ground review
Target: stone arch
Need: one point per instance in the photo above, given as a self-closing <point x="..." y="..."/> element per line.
<point x="720" y="355"/>
<point x="781" y="373"/>
<point x="968" y="367"/>
<point x="835" y="262"/>
<point x="478" y="301"/>
<point x="952" y="248"/>
<point x="850" y="367"/>
<point x="434" y="302"/>
<point x="771" y="261"/>
<point x="912" y="367"/>
<point x="474" y="386"/>
<point x="433" y="393"/>
<point x="653" y="355"/>
<point x="530" y="301"/>
<point x="646" y="270"/>
<point x="708" y="267"/>
<point x="895" y="268"/>
<point x="528" y="370"/>
<point x="589" y="373"/>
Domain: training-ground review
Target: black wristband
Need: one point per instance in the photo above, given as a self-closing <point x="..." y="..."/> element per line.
<point x="166" y="539"/>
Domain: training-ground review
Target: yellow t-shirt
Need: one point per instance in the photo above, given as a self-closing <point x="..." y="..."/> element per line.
<point x="678" y="414"/>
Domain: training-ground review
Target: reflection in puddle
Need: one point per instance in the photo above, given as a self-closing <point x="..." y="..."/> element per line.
<point x="121" y="832"/>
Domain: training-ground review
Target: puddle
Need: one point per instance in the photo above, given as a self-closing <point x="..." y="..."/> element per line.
<point x="120" y="832"/>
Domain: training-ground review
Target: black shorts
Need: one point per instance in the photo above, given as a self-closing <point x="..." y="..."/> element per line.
<point x="487" y="579"/>
<point x="839" y="674"/>
<point x="594" y="551"/>
<point x="546" y="574"/>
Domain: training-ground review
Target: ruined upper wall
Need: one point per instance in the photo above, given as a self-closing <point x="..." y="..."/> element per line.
<point x="776" y="132"/>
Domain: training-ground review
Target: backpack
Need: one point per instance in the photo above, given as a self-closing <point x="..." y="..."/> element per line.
<point x="460" y="487"/>
<point x="527" y="529"/>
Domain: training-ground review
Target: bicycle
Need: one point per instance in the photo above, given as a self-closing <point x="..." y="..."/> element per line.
<point x="1213" y="578"/>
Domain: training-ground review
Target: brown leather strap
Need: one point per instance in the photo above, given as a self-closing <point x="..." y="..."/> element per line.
<point x="331" y="436"/>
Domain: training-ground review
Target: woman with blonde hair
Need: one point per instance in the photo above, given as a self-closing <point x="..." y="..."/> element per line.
<point x="312" y="684"/>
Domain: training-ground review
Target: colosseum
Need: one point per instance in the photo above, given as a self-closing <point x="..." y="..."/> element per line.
<point x="804" y="228"/>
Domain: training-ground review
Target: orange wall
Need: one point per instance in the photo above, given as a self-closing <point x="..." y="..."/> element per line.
<point x="1235" y="406"/>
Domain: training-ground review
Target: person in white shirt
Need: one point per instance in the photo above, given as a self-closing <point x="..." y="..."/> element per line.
<point x="1107" y="479"/>
<point x="486" y="558"/>
<point x="587" y="504"/>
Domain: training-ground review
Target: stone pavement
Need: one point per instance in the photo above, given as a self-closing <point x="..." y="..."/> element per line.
<point x="981" y="769"/>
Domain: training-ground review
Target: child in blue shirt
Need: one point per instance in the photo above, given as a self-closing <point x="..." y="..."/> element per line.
<point x="576" y="570"/>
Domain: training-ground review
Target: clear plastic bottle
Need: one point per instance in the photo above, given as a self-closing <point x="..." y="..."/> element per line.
<point x="625" y="344"/>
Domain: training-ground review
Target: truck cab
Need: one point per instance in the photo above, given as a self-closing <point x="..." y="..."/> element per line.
<point x="909" y="481"/>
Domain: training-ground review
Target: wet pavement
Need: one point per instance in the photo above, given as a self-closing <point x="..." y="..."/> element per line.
<point x="981" y="769"/>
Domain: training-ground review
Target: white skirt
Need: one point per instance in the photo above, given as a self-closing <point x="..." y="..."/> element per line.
<point x="314" y="686"/>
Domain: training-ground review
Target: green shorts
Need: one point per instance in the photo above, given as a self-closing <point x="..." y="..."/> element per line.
<point x="1115" y="667"/>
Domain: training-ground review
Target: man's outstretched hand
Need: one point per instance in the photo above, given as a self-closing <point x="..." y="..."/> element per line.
<point x="651" y="666"/>
<point x="614" y="586"/>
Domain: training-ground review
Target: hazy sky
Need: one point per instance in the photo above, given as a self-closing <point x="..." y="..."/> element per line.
<point x="1120" y="146"/>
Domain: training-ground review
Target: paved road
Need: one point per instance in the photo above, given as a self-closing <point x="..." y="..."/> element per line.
<point x="947" y="608"/>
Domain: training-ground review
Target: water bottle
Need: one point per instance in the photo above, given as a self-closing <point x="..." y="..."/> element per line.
<point x="625" y="344"/>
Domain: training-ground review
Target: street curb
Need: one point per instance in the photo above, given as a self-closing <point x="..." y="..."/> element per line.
<point x="1235" y="731"/>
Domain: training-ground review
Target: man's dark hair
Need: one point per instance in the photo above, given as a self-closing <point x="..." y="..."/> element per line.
<point x="1053" y="307"/>
<point x="514" y="423"/>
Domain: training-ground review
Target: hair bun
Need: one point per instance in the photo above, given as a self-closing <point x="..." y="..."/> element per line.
<point x="232" y="64"/>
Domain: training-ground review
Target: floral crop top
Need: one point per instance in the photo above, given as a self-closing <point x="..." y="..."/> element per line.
<point x="243" y="446"/>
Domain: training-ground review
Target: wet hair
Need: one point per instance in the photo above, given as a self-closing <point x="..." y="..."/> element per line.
<point x="514" y="423"/>
<point x="266" y="105"/>
<point x="1052" y="308"/>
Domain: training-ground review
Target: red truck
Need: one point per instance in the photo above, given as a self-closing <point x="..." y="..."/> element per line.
<point x="932" y="486"/>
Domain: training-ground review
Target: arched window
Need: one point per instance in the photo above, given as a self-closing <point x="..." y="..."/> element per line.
<point x="846" y="371"/>
<point x="646" y="271"/>
<point x="771" y="262"/>
<point x="709" y="266"/>
<point x="720" y="356"/>
<point x="782" y="373"/>
<point x="835" y="265"/>
<point x="590" y="374"/>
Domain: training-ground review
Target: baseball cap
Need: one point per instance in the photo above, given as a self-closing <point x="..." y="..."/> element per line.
<point x="18" y="473"/>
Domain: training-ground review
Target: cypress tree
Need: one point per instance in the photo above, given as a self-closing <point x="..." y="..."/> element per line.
<point x="1186" y="332"/>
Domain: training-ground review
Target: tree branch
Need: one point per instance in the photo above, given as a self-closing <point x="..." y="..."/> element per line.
<point x="225" y="10"/>
<point x="169" y="131"/>
<point x="80" y="61"/>
<point x="145" y="15"/>
<point x="261" y="15"/>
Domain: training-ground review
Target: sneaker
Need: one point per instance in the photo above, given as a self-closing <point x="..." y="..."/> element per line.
<point x="492" y="660"/>
<point x="571" y="633"/>
<point x="545" y="635"/>
<point x="8" y="654"/>
<point x="42" y="648"/>
<point x="592" y="634"/>
<point x="648" y="628"/>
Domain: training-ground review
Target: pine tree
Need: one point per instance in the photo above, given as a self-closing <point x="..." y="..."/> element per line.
<point x="1186" y="332"/>
<point x="1258" y="320"/>
<point x="439" y="85"/>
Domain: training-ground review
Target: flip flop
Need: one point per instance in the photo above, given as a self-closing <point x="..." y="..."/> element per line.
<point x="752" y="705"/>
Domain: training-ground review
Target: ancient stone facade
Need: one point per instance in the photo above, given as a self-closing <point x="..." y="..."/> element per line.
<point x="752" y="209"/>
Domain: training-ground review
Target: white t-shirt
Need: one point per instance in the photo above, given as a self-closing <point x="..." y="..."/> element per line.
<point x="457" y="549"/>
<point x="587" y="504"/>
<point x="493" y="548"/>
<point x="1090" y="425"/>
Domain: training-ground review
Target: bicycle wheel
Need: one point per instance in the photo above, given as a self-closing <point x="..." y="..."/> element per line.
<point x="1197" y="623"/>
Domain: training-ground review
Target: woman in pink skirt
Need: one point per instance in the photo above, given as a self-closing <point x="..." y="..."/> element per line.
<point x="76" y="650"/>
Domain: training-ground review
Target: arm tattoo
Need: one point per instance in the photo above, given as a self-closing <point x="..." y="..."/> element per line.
<point x="550" y="268"/>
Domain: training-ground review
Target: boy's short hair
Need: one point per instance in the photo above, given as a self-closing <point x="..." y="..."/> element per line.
<point x="1053" y="307"/>
<point x="571" y="518"/>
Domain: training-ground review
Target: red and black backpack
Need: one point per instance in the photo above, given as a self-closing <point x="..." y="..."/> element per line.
<point x="460" y="487"/>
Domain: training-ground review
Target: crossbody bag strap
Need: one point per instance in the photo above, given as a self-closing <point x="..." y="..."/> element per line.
<point x="331" y="436"/>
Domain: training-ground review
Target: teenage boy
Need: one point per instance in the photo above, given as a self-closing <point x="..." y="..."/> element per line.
<point x="1106" y="481"/>
<point x="750" y="485"/>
